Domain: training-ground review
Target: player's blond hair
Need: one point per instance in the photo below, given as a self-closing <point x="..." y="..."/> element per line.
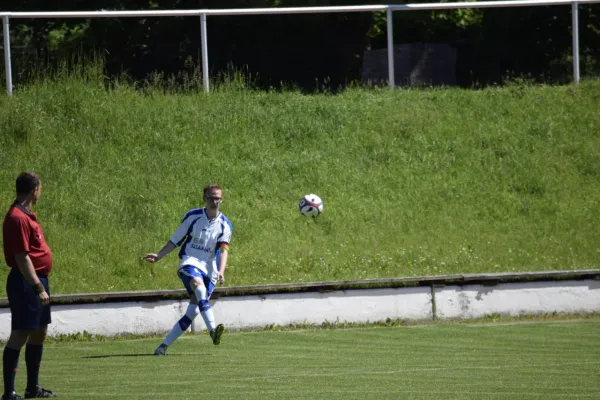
<point x="208" y="188"/>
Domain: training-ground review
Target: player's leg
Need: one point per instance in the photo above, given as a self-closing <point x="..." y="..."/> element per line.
<point x="187" y="275"/>
<point x="179" y="328"/>
<point x="203" y="291"/>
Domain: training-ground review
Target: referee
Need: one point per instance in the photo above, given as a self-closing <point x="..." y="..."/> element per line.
<point x="30" y="259"/>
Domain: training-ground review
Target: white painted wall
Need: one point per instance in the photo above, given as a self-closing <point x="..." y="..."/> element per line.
<point x="314" y="308"/>
<point x="364" y="305"/>
<point x="472" y="301"/>
<point x="114" y="318"/>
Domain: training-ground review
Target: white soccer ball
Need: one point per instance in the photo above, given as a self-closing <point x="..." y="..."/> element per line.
<point x="310" y="205"/>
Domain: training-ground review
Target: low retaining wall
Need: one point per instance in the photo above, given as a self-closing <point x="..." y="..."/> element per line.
<point x="422" y="298"/>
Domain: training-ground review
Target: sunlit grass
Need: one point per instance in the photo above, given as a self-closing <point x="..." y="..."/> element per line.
<point x="535" y="360"/>
<point x="415" y="182"/>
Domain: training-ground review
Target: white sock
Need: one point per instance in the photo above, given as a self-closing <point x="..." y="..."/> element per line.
<point x="182" y="325"/>
<point x="209" y="319"/>
<point x="200" y="292"/>
<point x="207" y="313"/>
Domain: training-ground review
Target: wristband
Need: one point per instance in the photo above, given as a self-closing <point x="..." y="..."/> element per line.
<point x="39" y="288"/>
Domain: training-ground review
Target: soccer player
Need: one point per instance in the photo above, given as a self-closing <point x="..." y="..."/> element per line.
<point x="30" y="259"/>
<point x="204" y="235"/>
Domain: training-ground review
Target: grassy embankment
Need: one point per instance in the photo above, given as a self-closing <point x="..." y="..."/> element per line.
<point x="415" y="182"/>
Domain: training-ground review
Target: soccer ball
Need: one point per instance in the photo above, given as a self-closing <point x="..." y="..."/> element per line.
<point x="310" y="205"/>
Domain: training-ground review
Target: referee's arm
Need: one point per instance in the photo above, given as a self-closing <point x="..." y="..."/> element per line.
<point x="28" y="271"/>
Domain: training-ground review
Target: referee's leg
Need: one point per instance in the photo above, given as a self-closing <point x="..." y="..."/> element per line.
<point x="35" y="347"/>
<point x="10" y="361"/>
<point x="29" y="324"/>
<point x="21" y="326"/>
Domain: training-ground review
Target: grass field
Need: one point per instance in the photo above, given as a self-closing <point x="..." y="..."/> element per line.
<point x="553" y="359"/>
<point x="415" y="182"/>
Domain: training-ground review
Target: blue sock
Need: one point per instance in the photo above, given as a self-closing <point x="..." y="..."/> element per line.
<point x="10" y="362"/>
<point x="33" y="358"/>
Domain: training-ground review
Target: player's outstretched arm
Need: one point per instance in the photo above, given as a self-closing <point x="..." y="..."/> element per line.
<point x="154" y="257"/>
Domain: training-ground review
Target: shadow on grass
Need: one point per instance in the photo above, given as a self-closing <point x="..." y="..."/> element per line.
<point x="145" y="355"/>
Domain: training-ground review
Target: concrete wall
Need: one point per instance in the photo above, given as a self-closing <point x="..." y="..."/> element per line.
<point x="472" y="301"/>
<point x="353" y="305"/>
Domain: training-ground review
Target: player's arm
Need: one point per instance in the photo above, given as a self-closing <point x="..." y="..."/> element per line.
<point x="223" y="253"/>
<point x="175" y="241"/>
<point x="154" y="257"/>
<point x="223" y="247"/>
<point x="28" y="272"/>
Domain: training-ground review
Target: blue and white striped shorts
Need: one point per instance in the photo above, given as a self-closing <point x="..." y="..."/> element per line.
<point x="188" y="272"/>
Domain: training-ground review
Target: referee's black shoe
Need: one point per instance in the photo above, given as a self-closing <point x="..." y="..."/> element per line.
<point x="12" y="396"/>
<point x="38" y="393"/>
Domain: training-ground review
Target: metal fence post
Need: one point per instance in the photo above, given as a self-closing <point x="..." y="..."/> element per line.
<point x="7" y="66"/>
<point x="205" y="77"/>
<point x="575" y="34"/>
<point x="390" y="48"/>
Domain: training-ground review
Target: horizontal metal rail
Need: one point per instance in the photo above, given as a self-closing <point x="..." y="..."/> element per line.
<point x="291" y="10"/>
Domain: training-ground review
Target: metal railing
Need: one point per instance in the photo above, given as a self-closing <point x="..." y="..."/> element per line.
<point x="204" y="13"/>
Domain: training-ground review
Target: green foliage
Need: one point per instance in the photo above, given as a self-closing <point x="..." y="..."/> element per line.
<point x="304" y="50"/>
<point x="415" y="182"/>
<point x="459" y="18"/>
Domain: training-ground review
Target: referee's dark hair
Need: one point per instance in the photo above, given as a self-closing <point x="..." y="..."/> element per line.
<point x="27" y="182"/>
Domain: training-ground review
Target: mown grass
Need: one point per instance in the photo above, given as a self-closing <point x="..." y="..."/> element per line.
<point x="415" y="182"/>
<point x="534" y="360"/>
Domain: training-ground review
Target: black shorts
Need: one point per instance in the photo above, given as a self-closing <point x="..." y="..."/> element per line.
<point x="26" y="311"/>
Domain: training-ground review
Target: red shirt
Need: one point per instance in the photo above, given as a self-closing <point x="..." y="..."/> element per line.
<point x="23" y="234"/>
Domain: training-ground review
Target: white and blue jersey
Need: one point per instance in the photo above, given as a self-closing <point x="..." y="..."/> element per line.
<point x="200" y="239"/>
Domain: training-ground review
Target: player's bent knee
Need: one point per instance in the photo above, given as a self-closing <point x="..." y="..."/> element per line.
<point x="196" y="282"/>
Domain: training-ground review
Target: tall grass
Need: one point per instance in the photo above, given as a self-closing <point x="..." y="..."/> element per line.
<point x="415" y="182"/>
